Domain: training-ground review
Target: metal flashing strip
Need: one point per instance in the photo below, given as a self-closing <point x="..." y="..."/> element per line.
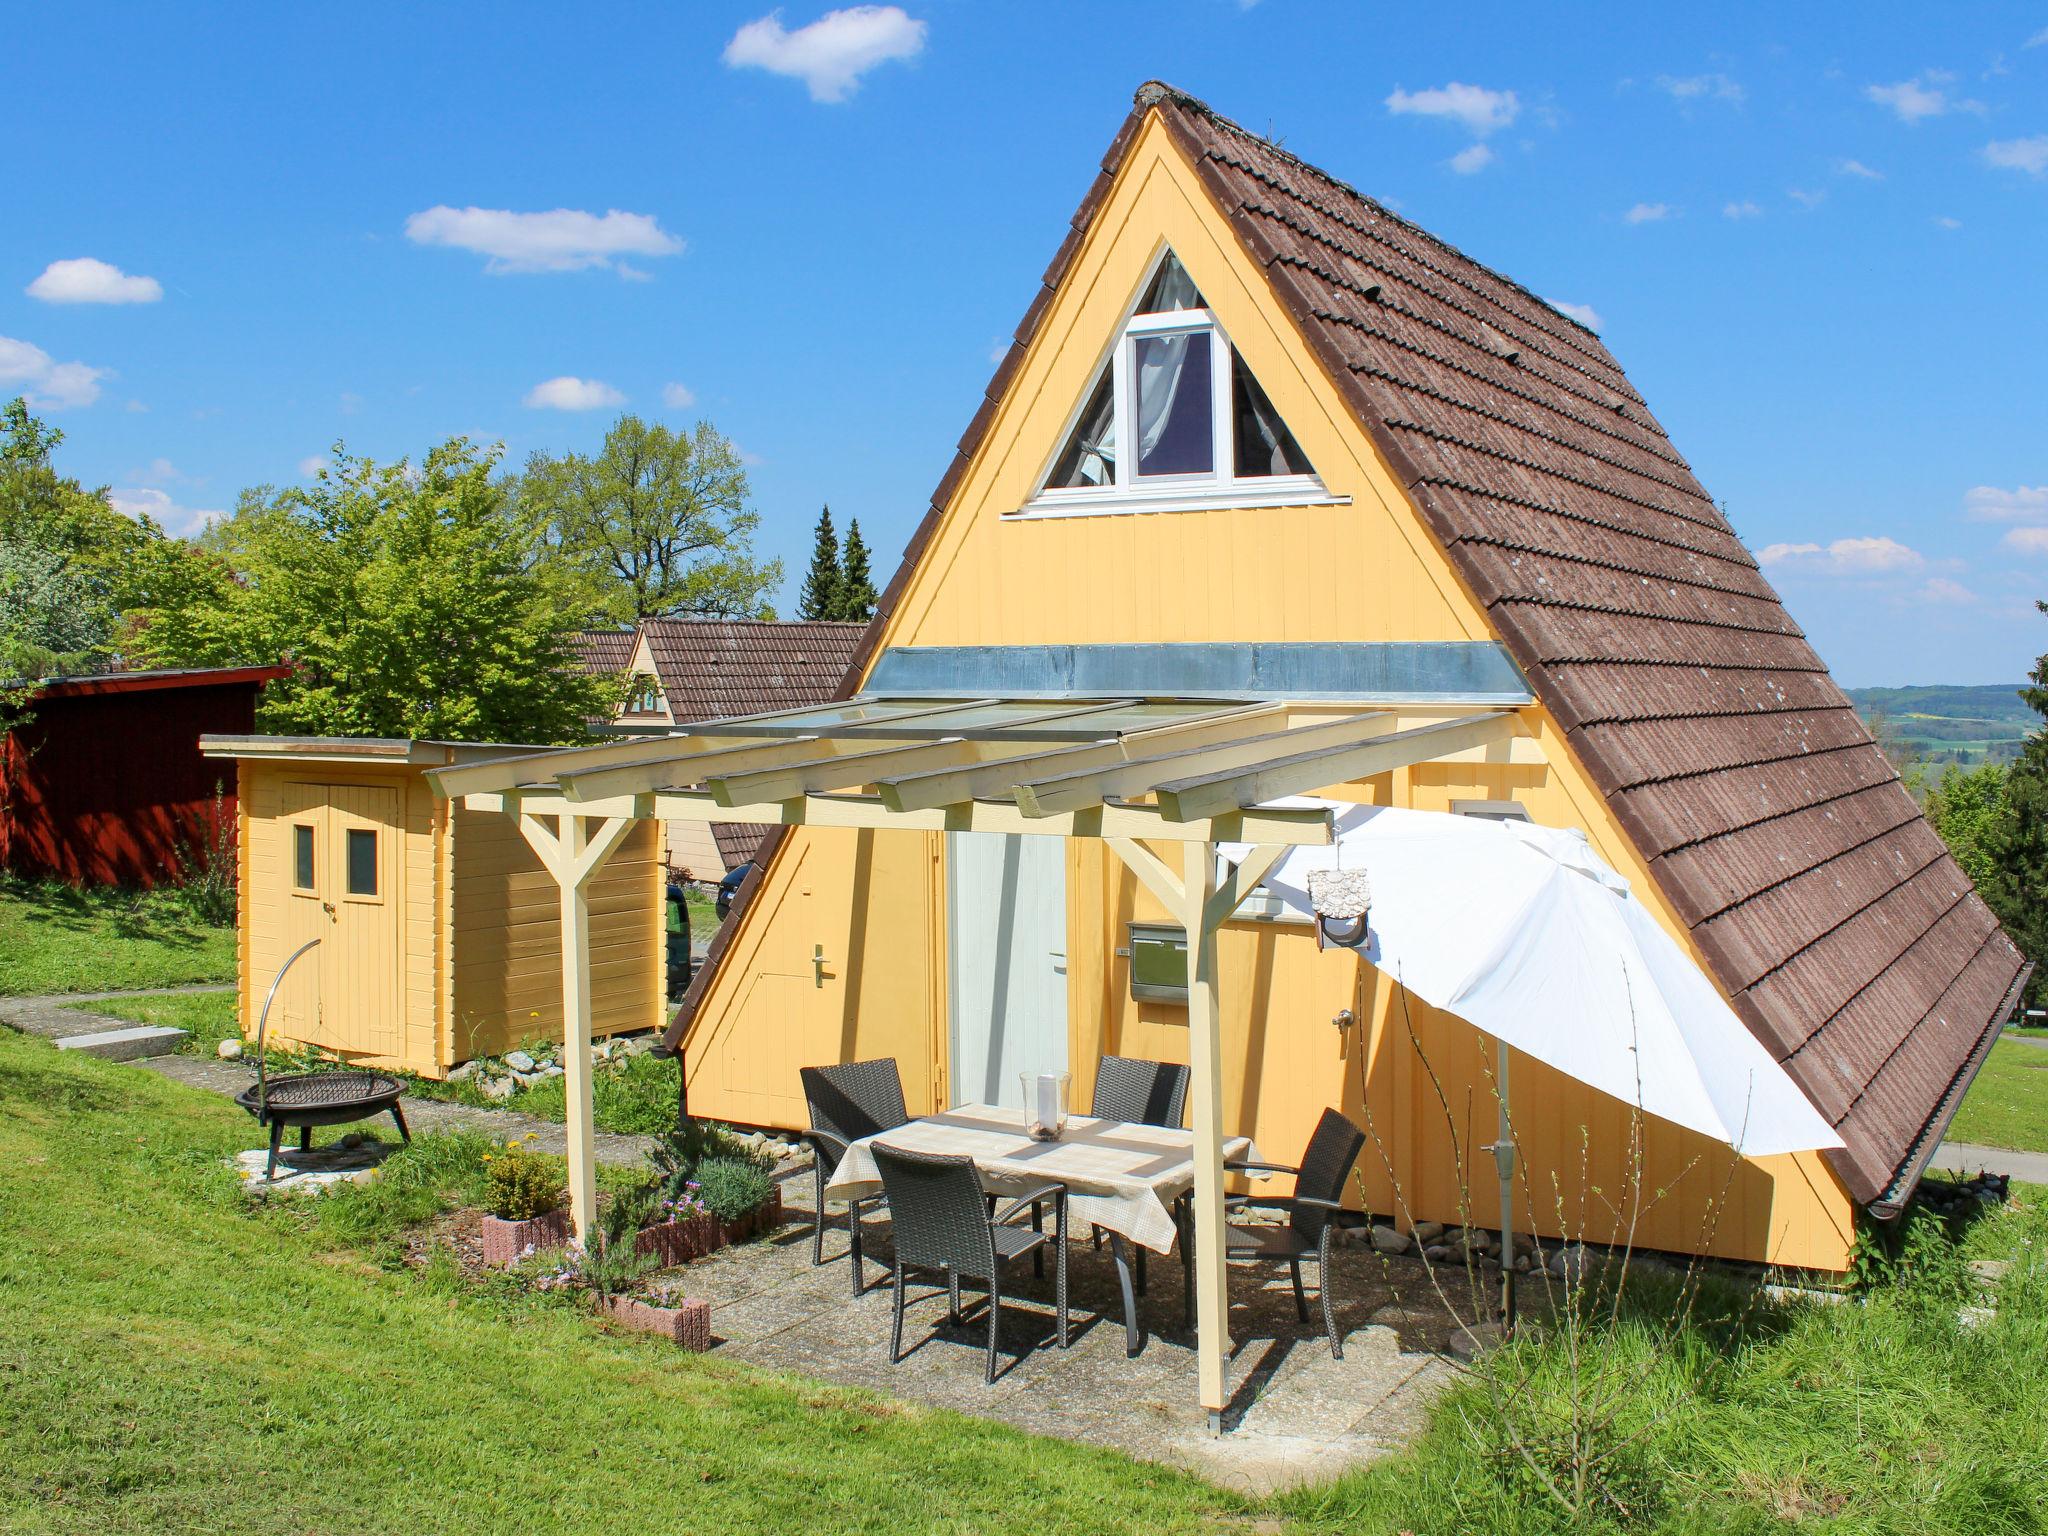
<point x="1370" y="671"/>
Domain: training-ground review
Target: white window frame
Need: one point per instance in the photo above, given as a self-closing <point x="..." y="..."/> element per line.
<point x="1221" y="487"/>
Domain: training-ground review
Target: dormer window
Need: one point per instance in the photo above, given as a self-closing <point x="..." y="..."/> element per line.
<point x="1199" y="428"/>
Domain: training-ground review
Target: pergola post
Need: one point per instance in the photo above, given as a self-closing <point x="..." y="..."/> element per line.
<point x="1205" y="1060"/>
<point x="574" y="856"/>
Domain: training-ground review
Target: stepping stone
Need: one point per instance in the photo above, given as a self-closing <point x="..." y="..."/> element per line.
<point x="126" y="1044"/>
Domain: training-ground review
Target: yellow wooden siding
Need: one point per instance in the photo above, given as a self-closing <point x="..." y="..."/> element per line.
<point x="1369" y="570"/>
<point x="505" y="968"/>
<point x="871" y="901"/>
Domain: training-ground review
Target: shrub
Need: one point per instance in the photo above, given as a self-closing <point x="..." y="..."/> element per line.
<point x="679" y="1154"/>
<point x="519" y="1183"/>
<point x="732" y="1188"/>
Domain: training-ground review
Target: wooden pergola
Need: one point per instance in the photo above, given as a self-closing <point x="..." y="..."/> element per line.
<point x="1132" y="772"/>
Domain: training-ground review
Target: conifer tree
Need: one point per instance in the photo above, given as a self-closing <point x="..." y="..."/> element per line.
<point x="820" y="596"/>
<point x="856" y="586"/>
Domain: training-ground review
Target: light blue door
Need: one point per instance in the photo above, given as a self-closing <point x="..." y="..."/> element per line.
<point x="1006" y="901"/>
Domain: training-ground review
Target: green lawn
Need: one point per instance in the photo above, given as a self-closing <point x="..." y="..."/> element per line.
<point x="2007" y="1106"/>
<point x="173" y="1363"/>
<point x="55" y="939"/>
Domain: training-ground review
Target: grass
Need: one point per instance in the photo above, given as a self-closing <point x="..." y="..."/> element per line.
<point x="2007" y="1106"/>
<point x="171" y="1363"/>
<point x="56" y="939"/>
<point x="176" y="1362"/>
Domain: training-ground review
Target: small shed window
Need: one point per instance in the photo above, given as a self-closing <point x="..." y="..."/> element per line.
<point x="302" y="857"/>
<point x="1491" y="810"/>
<point x="1159" y="963"/>
<point x="362" y="862"/>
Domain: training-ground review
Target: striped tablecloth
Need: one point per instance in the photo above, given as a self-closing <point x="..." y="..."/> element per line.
<point x="1121" y="1177"/>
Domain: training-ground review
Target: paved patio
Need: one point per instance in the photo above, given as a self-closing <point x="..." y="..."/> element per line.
<point x="1296" y="1416"/>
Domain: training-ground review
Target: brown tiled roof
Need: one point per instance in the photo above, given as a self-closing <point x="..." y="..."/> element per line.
<point x="715" y="667"/>
<point x="605" y="652"/>
<point x="1848" y="940"/>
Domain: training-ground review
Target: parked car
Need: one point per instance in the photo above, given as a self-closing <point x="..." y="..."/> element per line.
<point x="678" y="941"/>
<point x="729" y="887"/>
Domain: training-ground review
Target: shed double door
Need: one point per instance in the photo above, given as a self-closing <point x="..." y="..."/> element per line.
<point x="342" y="855"/>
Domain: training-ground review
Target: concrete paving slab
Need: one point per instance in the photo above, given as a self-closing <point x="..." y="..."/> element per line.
<point x="130" y="1042"/>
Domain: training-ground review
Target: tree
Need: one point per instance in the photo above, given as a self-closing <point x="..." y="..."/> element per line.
<point x="1964" y="805"/>
<point x="856" y="586"/>
<point x="413" y="601"/>
<point x="55" y="614"/>
<point x="656" y="524"/>
<point x="2016" y="841"/>
<point x="820" y="596"/>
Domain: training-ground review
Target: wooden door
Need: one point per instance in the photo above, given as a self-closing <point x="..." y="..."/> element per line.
<point x="344" y="858"/>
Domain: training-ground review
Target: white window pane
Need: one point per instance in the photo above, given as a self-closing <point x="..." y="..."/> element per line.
<point x="1090" y="455"/>
<point x="1176" y="421"/>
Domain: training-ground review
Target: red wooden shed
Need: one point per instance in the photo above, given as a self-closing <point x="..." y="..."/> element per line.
<point x="105" y="785"/>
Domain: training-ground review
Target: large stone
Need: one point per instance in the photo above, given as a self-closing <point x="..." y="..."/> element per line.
<point x="498" y="1089"/>
<point x="520" y="1061"/>
<point x="1391" y="1240"/>
<point x="463" y="1073"/>
<point x="1427" y="1232"/>
<point x="125" y="1044"/>
<point x="229" y="1049"/>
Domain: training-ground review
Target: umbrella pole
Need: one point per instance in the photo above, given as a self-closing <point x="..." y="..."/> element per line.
<point x="1504" y="1162"/>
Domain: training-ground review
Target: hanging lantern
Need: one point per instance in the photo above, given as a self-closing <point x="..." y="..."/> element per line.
<point x="1340" y="898"/>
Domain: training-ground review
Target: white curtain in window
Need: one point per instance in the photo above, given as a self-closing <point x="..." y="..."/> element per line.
<point x="1162" y="362"/>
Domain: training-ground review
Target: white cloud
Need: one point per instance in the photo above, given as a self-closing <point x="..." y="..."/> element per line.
<point x="569" y="393"/>
<point x="2038" y="40"/>
<point x="1585" y="314"/>
<point x="1647" y="213"/>
<point x="1918" y="98"/>
<point x="1939" y="589"/>
<point x="2026" y="541"/>
<point x="49" y="385"/>
<point x="1804" y="198"/>
<point x="1943" y="221"/>
<point x="1480" y="110"/>
<point x="561" y="240"/>
<point x="1701" y="88"/>
<point x="82" y="280"/>
<point x="1995" y="504"/>
<point x="833" y="52"/>
<point x="1874" y="556"/>
<point x="1742" y="210"/>
<point x="1471" y="159"/>
<point x="678" y="397"/>
<point x="1859" y="169"/>
<point x="311" y="465"/>
<point x="146" y="501"/>
<point x="2029" y="155"/>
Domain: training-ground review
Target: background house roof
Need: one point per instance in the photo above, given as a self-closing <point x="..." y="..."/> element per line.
<point x="606" y="651"/>
<point x="710" y="668"/>
<point x="1846" y="937"/>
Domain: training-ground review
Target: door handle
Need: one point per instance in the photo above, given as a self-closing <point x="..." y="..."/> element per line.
<point x="327" y="907"/>
<point x="818" y="964"/>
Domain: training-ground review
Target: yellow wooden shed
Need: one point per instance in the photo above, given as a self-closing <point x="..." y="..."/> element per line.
<point x="440" y="935"/>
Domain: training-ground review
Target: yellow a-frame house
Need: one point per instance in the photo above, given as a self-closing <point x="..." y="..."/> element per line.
<point x="1275" y="493"/>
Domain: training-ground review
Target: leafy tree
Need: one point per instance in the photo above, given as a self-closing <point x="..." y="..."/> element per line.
<point x="820" y="596"/>
<point x="856" y="586"/>
<point x="2016" y="841"/>
<point x="55" y="613"/>
<point x="1964" y="805"/>
<point x="413" y="600"/>
<point x="656" y="524"/>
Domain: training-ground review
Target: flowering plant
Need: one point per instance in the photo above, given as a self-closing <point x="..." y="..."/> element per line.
<point x="520" y="1183"/>
<point x="684" y="1204"/>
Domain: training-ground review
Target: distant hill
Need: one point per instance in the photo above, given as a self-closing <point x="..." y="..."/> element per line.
<point x="1946" y="723"/>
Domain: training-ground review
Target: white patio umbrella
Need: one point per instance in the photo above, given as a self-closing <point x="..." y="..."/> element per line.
<point x="1523" y="932"/>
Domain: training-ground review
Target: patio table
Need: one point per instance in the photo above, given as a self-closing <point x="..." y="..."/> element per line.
<point x="1122" y="1177"/>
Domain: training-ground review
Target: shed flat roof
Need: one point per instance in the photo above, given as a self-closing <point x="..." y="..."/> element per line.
<point x="357" y="749"/>
<point x="167" y="677"/>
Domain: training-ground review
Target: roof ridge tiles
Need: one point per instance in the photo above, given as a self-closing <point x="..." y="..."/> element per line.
<point x="1155" y="91"/>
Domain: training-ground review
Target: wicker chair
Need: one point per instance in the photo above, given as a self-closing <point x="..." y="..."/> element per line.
<point x="942" y="1223"/>
<point x="1318" y="1195"/>
<point x="1140" y="1093"/>
<point x="860" y="1098"/>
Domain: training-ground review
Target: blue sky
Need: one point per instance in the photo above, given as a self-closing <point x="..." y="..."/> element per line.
<point x="1816" y="237"/>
